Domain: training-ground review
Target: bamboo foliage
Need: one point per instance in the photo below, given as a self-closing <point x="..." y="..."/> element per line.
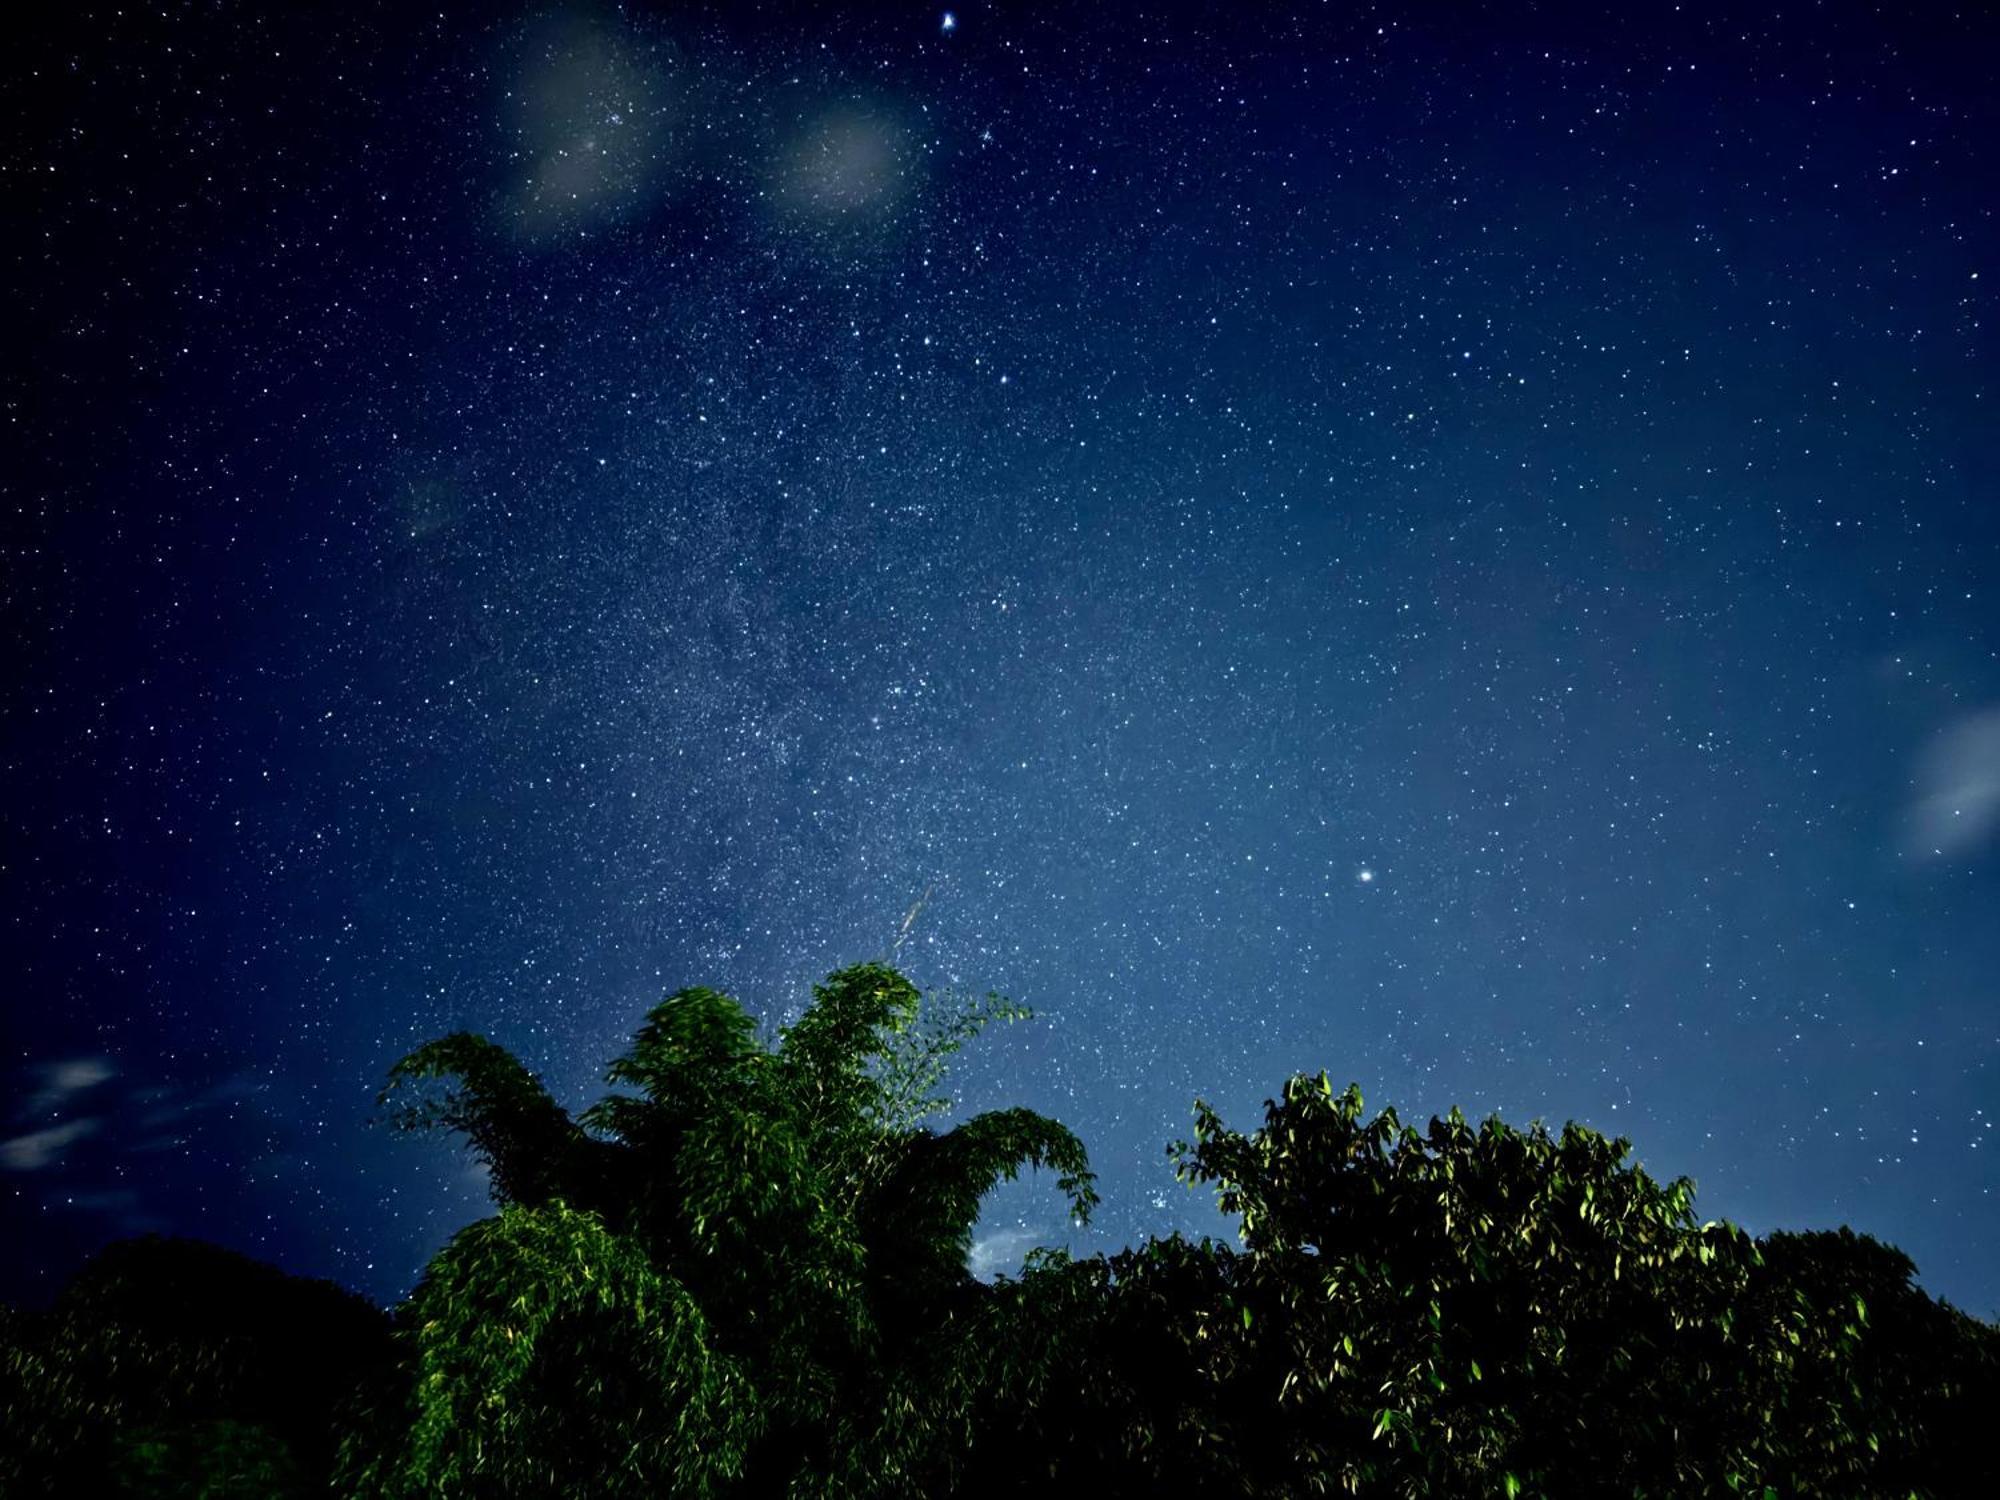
<point x="768" y="1224"/>
<point x="551" y="1355"/>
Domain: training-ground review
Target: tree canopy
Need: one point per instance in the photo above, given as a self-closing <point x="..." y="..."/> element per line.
<point x="744" y="1272"/>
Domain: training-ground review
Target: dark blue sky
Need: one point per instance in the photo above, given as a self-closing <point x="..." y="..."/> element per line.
<point x="1455" y="546"/>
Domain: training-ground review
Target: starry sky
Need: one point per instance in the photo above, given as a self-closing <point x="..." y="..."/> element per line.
<point x="1452" y="544"/>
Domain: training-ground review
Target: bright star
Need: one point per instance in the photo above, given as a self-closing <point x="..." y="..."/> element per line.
<point x="1366" y="877"/>
<point x="950" y="22"/>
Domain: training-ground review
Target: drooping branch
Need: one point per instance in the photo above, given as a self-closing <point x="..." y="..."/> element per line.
<point x="526" y="1139"/>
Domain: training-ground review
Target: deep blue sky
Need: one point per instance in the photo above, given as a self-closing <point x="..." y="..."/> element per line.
<point x="1453" y="546"/>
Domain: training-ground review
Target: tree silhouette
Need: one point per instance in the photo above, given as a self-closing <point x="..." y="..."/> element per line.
<point x="171" y="1367"/>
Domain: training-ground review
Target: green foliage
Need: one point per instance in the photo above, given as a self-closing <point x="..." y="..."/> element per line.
<point x="790" y="1229"/>
<point x="826" y="1056"/>
<point x="697" y="1053"/>
<point x="1865" y="1380"/>
<point x="529" y="1145"/>
<point x="1493" y="1310"/>
<point x="1414" y="1297"/>
<point x="743" y="1273"/>
<point x="916" y="1054"/>
<point x="921" y="1215"/>
<point x="1465" y="1311"/>
<point x="552" y="1356"/>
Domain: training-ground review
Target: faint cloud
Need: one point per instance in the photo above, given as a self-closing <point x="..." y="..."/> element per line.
<point x="603" y="122"/>
<point x="1001" y="1251"/>
<point x="85" y="1137"/>
<point x="428" y="507"/>
<point x="60" y="1080"/>
<point x="168" y="1108"/>
<point x="848" y="162"/>
<point x="588" y="122"/>
<point x="43" y="1148"/>
<point x="1957" y="802"/>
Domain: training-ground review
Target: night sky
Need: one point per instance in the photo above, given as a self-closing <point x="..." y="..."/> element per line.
<point x="1459" y="546"/>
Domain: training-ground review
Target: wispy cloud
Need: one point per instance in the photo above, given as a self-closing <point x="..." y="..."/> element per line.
<point x="83" y="1132"/>
<point x="1000" y="1252"/>
<point x="604" y="123"/>
<point x="591" y="116"/>
<point x="60" y="1080"/>
<point x="1957" y="801"/>
<point x="43" y="1148"/>
<point x="848" y="161"/>
<point x="51" y="1090"/>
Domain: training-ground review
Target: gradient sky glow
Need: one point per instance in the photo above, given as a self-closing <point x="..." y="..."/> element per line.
<point x="1457" y="545"/>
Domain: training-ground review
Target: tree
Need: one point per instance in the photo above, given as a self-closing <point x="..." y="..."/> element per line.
<point x="171" y="1367"/>
<point x="741" y="1250"/>
<point x="1875" y="1386"/>
<point x="1465" y="1311"/>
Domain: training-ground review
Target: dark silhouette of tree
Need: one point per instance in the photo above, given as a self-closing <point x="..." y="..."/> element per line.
<point x="1885" y="1389"/>
<point x="171" y="1367"/>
